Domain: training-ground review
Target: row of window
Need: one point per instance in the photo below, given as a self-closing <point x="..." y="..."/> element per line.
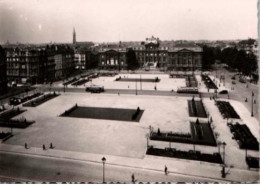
<point x="151" y="54"/>
<point x="152" y="59"/>
<point x="111" y="63"/>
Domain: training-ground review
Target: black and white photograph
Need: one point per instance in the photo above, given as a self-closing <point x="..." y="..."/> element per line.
<point x="129" y="91"/>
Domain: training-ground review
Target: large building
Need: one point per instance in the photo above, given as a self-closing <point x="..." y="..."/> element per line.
<point x="39" y="64"/>
<point x="152" y="53"/>
<point x="25" y="65"/>
<point x="3" y="77"/>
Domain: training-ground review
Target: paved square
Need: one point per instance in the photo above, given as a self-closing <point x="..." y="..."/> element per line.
<point x="119" y="138"/>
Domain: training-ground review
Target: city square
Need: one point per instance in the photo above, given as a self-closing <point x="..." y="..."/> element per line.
<point x="142" y="99"/>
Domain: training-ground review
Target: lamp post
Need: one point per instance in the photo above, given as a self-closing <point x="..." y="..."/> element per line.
<point x="223" y="172"/>
<point x="252" y="108"/>
<point x="140" y="81"/>
<point x="104" y="161"/>
<point x="136" y="87"/>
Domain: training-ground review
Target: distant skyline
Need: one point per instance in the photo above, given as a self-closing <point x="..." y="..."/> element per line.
<point x="43" y="21"/>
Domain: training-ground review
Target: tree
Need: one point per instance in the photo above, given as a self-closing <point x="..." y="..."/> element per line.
<point x="131" y="60"/>
<point x="208" y="57"/>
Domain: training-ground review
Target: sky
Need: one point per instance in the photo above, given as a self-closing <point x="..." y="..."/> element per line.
<point x="44" y="21"/>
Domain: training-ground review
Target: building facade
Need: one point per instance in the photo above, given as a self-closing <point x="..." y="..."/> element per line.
<point x="25" y="65"/>
<point x="3" y="76"/>
<point x="38" y="64"/>
<point x="112" y="57"/>
<point x="152" y="53"/>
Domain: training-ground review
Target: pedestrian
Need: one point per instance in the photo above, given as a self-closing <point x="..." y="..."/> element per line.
<point x="118" y="94"/>
<point x="51" y="146"/>
<point x="43" y="147"/>
<point x="133" y="178"/>
<point x="166" y="170"/>
<point x="25" y="146"/>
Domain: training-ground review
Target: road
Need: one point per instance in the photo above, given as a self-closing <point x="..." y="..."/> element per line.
<point x="241" y="91"/>
<point x="19" y="167"/>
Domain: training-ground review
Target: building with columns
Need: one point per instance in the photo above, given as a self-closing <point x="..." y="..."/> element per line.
<point x="152" y="54"/>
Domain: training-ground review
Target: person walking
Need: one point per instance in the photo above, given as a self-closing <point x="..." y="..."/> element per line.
<point x="51" y="146"/>
<point x="133" y="178"/>
<point x="43" y="147"/>
<point x="25" y="146"/>
<point x="166" y="170"/>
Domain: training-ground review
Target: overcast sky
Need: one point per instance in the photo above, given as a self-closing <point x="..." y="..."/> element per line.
<point x="37" y="21"/>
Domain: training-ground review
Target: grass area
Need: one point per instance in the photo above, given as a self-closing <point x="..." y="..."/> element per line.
<point x="138" y="80"/>
<point x="202" y="134"/>
<point x="190" y="155"/>
<point x="196" y="109"/>
<point x="117" y="114"/>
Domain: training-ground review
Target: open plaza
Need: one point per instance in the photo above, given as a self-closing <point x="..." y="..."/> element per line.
<point x="104" y="124"/>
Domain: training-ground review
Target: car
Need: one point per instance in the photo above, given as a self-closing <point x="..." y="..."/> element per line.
<point x="233" y="82"/>
<point x="242" y="80"/>
<point x="223" y="92"/>
<point x="95" y="89"/>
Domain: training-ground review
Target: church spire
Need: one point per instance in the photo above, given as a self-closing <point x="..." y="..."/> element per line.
<point x="74" y="36"/>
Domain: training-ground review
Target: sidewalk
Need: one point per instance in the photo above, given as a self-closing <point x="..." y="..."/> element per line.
<point x="176" y="166"/>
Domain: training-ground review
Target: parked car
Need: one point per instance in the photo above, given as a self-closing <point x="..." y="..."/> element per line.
<point x="223" y="92"/>
<point x="95" y="89"/>
<point x="242" y="80"/>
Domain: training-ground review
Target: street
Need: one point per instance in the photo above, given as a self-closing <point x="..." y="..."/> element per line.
<point x="18" y="167"/>
<point x="241" y="91"/>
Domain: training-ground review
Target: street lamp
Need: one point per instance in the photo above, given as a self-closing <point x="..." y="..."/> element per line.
<point x="140" y="81"/>
<point x="252" y="114"/>
<point x="104" y="161"/>
<point x="135" y="86"/>
<point x="223" y="170"/>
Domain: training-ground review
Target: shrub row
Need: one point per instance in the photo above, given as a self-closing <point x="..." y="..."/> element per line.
<point x="17" y="101"/>
<point x="190" y="155"/>
<point x="40" y="100"/>
<point x="70" y="81"/>
<point x="252" y="162"/>
<point x="227" y="110"/>
<point x="246" y="140"/>
<point x="80" y="82"/>
<point x="10" y="113"/>
<point x="16" y="123"/>
<point x="208" y="82"/>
